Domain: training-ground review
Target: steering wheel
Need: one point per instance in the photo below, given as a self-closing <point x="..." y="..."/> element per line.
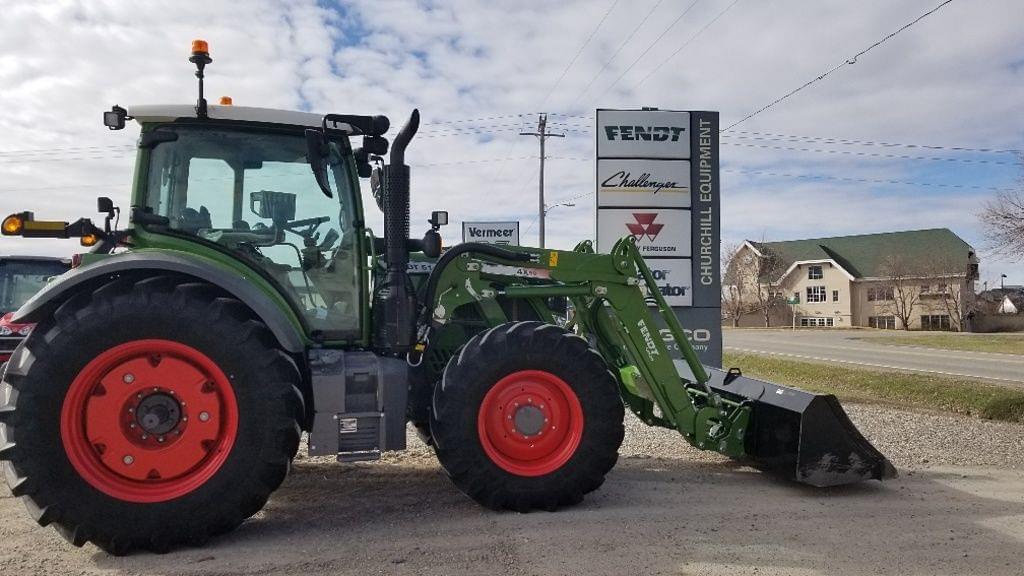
<point x="305" y="227"/>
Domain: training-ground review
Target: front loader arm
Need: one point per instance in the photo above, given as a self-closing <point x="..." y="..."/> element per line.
<point x="606" y="292"/>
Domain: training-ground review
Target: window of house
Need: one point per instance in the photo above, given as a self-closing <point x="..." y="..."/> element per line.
<point x="835" y="295"/>
<point x="943" y="288"/>
<point x="796" y="297"/>
<point x="882" y="322"/>
<point x="814" y="273"/>
<point x="817" y="322"/>
<point x="816" y="294"/>
<point x="926" y="288"/>
<point x="880" y="293"/>
<point x="935" y="322"/>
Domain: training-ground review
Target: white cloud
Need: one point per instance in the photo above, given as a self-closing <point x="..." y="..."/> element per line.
<point x="954" y="79"/>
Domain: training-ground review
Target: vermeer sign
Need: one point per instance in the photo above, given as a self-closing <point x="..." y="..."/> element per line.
<point x="506" y="233"/>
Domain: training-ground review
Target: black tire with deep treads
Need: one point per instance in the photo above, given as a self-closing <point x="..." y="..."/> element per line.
<point x="486" y="359"/>
<point x="264" y="380"/>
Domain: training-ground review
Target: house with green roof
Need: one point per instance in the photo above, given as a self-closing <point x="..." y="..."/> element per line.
<point x="917" y="280"/>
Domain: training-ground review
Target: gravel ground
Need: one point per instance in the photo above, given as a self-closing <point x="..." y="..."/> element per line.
<point x="957" y="508"/>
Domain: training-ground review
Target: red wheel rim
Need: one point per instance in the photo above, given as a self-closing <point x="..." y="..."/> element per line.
<point x="530" y="423"/>
<point x="149" y="420"/>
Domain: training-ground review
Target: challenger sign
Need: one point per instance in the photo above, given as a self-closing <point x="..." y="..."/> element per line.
<point x="657" y="182"/>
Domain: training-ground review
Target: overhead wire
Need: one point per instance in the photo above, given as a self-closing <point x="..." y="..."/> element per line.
<point x="685" y="44"/>
<point x="578" y="52"/>
<point x="616" y="53"/>
<point x="847" y="62"/>
<point x="648" y="49"/>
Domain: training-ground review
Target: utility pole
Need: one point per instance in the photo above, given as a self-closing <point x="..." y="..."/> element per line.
<point x="541" y="134"/>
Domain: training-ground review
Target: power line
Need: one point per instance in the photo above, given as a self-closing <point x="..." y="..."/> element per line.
<point x="616" y="53"/>
<point x="872" y="154"/>
<point x="776" y="137"/>
<point x="867" y="180"/>
<point x="503" y="116"/>
<point x="687" y="43"/>
<point x="846" y="62"/>
<point x="578" y="52"/>
<point x="648" y="49"/>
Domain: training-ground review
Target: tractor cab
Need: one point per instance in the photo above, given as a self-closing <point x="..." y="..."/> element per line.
<point x="239" y="183"/>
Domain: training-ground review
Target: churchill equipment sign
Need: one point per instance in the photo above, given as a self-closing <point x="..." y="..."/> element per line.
<point x="657" y="181"/>
<point x="506" y="233"/>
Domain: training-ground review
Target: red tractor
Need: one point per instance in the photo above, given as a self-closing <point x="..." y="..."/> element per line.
<point x="20" y="278"/>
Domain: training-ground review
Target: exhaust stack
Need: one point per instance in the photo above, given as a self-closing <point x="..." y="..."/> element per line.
<point x="394" y="305"/>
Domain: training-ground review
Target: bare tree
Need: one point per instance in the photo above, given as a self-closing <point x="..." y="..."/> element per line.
<point x="902" y="288"/>
<point x="957" y="293"/>
<point x="734" y="283"/>
<point x="769" y="266"/>
<point x="1003" y="221"/>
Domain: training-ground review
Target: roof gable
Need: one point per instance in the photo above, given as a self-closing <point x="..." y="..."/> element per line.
<point x="864" y="255"/>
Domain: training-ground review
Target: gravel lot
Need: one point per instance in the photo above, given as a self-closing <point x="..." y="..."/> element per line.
<point x="958" y="507"/>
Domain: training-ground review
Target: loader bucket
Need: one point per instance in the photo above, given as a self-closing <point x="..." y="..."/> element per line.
<point x="806" y="437"/>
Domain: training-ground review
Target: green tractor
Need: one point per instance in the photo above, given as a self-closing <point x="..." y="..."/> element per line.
<point x="163" y="394"/>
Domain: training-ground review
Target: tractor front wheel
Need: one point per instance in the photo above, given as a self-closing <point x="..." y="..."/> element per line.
<point x="148" y="413"/>
<point x="527" y="416"/>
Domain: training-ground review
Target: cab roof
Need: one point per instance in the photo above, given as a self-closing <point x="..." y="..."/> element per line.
<point x="171" y="112"/>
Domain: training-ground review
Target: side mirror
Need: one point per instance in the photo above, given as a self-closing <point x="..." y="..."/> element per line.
<point x="114" y="119"/>
<point x="377" y="187"/>
<point x="316" y="154"/>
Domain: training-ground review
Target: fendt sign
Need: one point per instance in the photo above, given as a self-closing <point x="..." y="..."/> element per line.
<point x="657" y="181"/>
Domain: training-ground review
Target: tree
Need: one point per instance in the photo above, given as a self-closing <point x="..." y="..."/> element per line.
<point x="957" y="298"/>
<point x="769" y="294"/>
<point x="1003" y="221"/>
<point x="901" y="287"/>
<point x="734" y="283"/>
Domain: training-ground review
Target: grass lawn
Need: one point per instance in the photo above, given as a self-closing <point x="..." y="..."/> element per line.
<point x="1003" y="343"/>
<point x="958" y="395"/>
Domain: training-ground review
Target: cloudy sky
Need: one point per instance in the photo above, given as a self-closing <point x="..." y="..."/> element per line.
<point x="918" y="133"/>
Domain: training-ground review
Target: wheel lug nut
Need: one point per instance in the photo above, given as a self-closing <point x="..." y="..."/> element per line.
<point x="128" y="460"/>
<point x="131" y="424"/>
<point x="204" y="416"/>
<point x="131" y="410"/>
<point x="145" y="436"/>
<point x="160" y="439"/>
<point x="128" y="378"/>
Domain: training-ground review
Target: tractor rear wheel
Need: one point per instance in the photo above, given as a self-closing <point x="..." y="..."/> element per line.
<point x="148" y="413"/>
<point x="527" y="416"/>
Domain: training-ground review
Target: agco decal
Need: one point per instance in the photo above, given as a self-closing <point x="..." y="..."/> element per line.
<point x="644" y="226"/>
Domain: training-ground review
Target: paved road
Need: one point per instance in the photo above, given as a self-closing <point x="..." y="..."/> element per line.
<point x="855" y="347"/>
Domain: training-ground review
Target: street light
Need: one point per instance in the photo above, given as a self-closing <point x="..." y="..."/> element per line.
<point x="1001" y="278"/>
<point x="550" y="207"/>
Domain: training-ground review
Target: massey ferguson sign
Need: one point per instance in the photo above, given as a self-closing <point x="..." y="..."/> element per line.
<point x="657" y="181"/>
<point x="658" y="232"/>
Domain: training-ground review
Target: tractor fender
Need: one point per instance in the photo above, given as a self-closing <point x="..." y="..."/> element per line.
<point x="43" y="304"/>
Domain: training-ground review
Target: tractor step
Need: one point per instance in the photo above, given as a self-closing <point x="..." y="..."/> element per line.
<point x="804" y="436"/>
<point x="360" y="405"/>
